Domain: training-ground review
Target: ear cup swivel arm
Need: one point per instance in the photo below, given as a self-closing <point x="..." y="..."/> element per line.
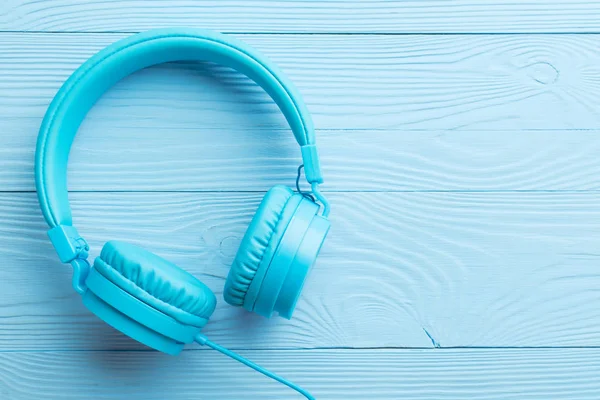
<point x="72" y="248"/>
<point x="312" y="168"/>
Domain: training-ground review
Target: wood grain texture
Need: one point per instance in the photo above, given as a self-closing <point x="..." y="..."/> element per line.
<point x="536" y="374"/>
<point x="413" y="16"/>
<point x="107" y="156"/>
<point x="372" y="82"/>
<point x="398" y="270"/>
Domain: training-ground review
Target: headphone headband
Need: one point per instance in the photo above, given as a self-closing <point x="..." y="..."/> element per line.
<point x="89" y="82"/>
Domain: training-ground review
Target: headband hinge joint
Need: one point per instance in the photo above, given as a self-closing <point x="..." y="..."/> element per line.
<point x="69" y="245"/>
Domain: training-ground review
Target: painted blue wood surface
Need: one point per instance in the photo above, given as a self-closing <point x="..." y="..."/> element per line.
<point x="463" y="171"/>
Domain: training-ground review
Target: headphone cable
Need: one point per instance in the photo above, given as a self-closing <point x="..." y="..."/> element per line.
<point x="203" y="341"/>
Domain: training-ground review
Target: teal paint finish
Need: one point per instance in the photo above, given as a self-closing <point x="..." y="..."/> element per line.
<point x="463" y="169"/>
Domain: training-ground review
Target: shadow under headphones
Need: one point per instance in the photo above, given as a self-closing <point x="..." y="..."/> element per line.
<point x="139" y="293"/>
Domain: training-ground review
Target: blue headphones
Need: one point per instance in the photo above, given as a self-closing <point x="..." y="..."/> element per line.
<point x="139" y="293"/>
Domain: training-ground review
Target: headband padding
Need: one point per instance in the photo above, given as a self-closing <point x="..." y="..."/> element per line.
<point x="156" y="282"/>
<point x="262" y="235"/>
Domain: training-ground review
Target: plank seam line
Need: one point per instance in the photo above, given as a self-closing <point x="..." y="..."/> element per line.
<point x="308" y="349"/>
<point x="533" y="191"/>
<point x="322" y="33"/>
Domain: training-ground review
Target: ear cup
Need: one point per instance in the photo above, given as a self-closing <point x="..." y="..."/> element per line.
<point x="269" y="223"/>
<point x="276" y="253"/>
<point x="277" y="285"/>
<point x="156" y="282"/>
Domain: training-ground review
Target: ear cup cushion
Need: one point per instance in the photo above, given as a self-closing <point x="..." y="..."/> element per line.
<point x="156" y="282"/>
<point x="256" y="241"/>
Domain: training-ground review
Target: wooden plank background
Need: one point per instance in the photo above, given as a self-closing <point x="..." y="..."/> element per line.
<point x="460" y="146"/>
<point x="306" y="16"/>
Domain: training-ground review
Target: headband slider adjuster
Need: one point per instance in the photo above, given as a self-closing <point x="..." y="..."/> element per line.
<point x="67" y="242"/>
<point x="312" y="166"/>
